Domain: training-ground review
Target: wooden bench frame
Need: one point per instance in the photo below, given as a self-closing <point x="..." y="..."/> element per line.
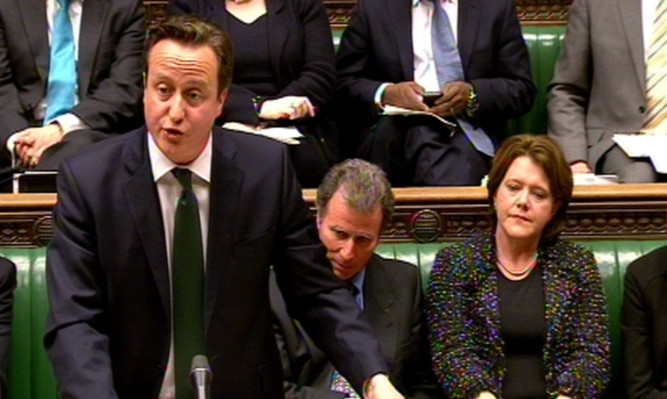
<point x="434" y="214"/>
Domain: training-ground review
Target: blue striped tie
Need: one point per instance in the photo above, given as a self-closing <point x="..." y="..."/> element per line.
<point x="62" y="66"/>
<point x="449" y="69"/>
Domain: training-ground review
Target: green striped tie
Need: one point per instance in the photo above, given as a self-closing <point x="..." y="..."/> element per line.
<point x="656" y="75"/>
<point x="187" y="271"/>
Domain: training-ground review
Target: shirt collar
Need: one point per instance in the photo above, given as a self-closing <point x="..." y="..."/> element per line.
<point x="358" y="280"/>
<point x="161" y="165"/>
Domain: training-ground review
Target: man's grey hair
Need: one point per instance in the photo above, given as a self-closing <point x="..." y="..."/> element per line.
<point x="364" y="186"/>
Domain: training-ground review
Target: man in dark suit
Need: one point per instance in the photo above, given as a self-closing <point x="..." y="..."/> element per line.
<point x="108" y="81"/>
<point x="644" y="326"/>
<point x="387" y="57"/>
<point x="7" y="286"/>
<point x="354" y="204"/>
<point x="113" y="329"/>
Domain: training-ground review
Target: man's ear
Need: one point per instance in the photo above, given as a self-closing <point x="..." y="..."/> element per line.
<point x="222" y="97"/>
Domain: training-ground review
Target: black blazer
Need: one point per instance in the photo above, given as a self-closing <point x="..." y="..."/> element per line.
<point x="108" y="329"/>
<point x="7" y="286"/>
<point x="393" y="305"/>
<point x="376" y="47"/>
<point x="109" y="64"/>
<point x="644" y="326"/>
<point x="300" y="50"/>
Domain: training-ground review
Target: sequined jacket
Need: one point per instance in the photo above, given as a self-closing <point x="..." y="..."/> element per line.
<point x="464" y="320"/>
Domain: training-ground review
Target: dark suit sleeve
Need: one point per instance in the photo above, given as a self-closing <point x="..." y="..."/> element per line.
<point x="11" y="114"/>
<point x="637" y="343"/>
<point x="352" y="63"/>
<point x="315" y="296"/>
<point x="76" y="341"/>
<point x="113" y="100"/>
<point x="569" y="90"/>
<point x="7" y="286"/>
<point x="508" y="91"/>
<point x="420" y="381"/>
<point x="294" y="354"/>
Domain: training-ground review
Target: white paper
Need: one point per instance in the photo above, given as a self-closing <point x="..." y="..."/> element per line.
<point x="640" y="145"/>
<point x="590" y="179"/>
<point x="390" y="110"/>
<point x="288" y="135"/>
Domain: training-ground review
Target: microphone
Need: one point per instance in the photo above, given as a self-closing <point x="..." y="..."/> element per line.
<point x="200" y="376"/>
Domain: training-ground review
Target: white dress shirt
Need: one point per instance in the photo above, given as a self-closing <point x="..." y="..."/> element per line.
<point x="169" y="191"/>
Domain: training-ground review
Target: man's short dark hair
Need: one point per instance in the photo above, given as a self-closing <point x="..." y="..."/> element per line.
<point x="364" y="186"/>
<point x="191" y="30"/>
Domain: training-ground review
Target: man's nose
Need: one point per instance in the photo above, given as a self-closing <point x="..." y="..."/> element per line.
<point x="347" y="250"/>
<point x="176" y="111"/>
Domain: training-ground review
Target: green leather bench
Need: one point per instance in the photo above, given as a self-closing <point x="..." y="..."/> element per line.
<point x="30" y="376"/>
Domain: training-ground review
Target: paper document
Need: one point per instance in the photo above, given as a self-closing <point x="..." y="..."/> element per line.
<point x="287" y="135"/>
<point x="391" y="111"/>
<point x="590" y="179"/>
<point x="639" y="145"/>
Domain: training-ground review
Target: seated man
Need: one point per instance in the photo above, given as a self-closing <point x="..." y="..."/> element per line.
<point x="465" y="61"/>
<point x="644" y="326"/>
<point x="609" y="79"/>
<point x="70" y="74"/>
<point x="354" y="204"/>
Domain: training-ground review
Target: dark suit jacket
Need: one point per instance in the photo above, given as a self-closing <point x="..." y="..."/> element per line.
<point x="109" y="64"/>
<point x="377" y="47"/>
<point x="393" y="305"/>
<point x="108" y="329"/>
<point x="644" y="326"/>
<point x="7" y="286"/>
<point x="300" y="50"/>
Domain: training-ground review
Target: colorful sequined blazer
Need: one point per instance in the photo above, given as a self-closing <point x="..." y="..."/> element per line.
<point x="464" y="320"/>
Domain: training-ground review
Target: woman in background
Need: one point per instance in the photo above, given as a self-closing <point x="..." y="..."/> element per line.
<point x="284" y="72"/>
<point x="518" y="312"/>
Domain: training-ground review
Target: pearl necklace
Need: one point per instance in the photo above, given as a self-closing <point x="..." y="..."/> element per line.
<point x="521" y="274"/>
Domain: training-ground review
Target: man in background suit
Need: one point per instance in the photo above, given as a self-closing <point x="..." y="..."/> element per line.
<point x="7" y="286"/>
<point x="599" y="86"/>
<point x="354" y="204"/>
<point x="113" y="328"/>
<point x="108" y="39"/>
<point x="644" y="326"/>
<point x="386" y="57"/>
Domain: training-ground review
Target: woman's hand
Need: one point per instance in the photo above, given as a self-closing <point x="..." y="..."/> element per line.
<point x="289" y="107"/>
<point x="487" y="395"/>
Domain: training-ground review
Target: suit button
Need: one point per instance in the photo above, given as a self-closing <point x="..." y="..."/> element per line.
<point x="642" y="109"/>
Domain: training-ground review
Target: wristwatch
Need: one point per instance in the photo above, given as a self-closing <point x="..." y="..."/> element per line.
<point x="472" y="108"/>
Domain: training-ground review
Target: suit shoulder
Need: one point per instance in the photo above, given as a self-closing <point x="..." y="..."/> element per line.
<point x="252" y="144"/>
<point x="649" y="266"/>
<point x="404" y="272"/>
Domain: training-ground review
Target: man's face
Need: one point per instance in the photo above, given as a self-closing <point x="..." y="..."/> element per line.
<point x="349" y="236"/>
<point x="181" y="99"/>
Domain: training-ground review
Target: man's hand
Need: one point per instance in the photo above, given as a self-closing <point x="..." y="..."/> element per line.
<point x="405" y="95"/>
<point x="379" y="387"/>
<point x="32" y="142"/>
<point x="453" y="100"/>
<point x="289" y="107"/>
<point x="580" y="167"/>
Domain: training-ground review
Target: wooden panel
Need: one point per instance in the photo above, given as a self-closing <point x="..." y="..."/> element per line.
<point x="440" y="214"/>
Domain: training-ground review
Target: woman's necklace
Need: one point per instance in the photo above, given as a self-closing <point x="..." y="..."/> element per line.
<point x="517" y="275"/>
<point x="240" y="1"/>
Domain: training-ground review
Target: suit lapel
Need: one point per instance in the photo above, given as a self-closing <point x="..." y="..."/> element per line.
<point x="468" y="20"/>
<point x="92" y="22"/>
<point x="226" y="180"/>
<point x="379" y="304"/>
<point x="144" y="205"/>
<point x="35" y="24"/>
<point x="631" y="15"/>
<point x="400" y="23"/>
